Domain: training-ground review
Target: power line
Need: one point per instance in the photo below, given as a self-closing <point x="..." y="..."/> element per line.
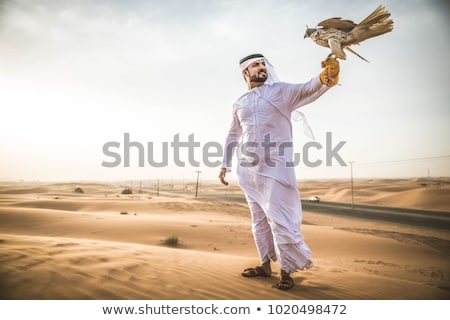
<point x="404" y="160"/>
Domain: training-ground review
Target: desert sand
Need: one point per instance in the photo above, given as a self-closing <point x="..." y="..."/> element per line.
<point x="101" y="244"/>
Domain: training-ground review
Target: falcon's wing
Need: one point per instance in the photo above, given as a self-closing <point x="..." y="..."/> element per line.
<point x="337" y="23"/>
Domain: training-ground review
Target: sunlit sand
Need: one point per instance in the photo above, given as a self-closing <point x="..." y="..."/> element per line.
<point x="101" y="244"/>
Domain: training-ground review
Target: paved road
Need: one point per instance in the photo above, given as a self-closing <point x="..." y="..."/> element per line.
<point x="425" y="218"/>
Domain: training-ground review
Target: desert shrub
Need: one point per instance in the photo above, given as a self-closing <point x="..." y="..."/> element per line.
<point x="127" y="191"/>
<point x="78" y="190"/>
<point x="171" y="241"/>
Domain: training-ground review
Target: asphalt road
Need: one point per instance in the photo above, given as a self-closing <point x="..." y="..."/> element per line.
<point x="425" y="218"/>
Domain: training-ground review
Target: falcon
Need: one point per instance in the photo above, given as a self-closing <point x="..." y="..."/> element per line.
<point x="338" y="34"/>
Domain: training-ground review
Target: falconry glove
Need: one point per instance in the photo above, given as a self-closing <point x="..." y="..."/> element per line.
<point x="330" y="73"/>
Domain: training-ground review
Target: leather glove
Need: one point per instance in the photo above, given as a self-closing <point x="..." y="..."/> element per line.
<point x="330" y="73"/>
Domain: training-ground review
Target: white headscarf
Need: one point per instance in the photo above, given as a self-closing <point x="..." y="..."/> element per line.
<point x="272" y="77"/>
<point x="271" y="74"/>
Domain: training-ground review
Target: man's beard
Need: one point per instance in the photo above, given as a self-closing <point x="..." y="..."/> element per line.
<point x="258" y="78"/>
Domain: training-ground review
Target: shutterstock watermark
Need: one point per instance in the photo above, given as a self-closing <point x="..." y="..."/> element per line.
<point x="252" y="153"/>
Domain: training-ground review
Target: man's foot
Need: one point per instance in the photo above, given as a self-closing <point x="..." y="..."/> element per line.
<point x="285" y="283"/>
<point x="256" y="272"/>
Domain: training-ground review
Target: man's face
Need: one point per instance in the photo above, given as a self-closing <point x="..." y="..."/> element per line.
<point x="257" y="71"/>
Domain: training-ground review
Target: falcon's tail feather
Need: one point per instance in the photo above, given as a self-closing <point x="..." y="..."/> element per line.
<point x="357" y="54"/>
<point x="378" y="15"/>
<point x="376" y="24"/>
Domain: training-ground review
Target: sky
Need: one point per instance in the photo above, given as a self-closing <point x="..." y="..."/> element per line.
<point x="78" y="78"/>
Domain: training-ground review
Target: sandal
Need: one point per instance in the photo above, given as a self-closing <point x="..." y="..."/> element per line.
<point x="285" y="283"/>
<point x="255" y="272"/>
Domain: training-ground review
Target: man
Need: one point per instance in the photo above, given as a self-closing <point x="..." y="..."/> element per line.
<point x="261" y="134"/>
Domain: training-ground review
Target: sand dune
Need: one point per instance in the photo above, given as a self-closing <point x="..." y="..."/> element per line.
<point x="58" y="244"/>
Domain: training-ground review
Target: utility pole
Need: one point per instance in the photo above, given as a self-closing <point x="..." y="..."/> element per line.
<point x="351" y="179"/>
<point x="157" y="188"/>
<point x="196" y="187"/>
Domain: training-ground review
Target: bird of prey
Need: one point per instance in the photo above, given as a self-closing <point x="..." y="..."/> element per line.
<point x="338" y="34"/>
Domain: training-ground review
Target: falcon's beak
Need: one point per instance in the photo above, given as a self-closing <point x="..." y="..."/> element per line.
<point x="306" y="33"/>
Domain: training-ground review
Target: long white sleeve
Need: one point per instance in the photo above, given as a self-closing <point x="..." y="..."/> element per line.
<point x="232" y="141"/>
<point x="299" y="95"/>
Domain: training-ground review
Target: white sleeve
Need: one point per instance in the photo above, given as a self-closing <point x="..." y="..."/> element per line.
<point x="298" y="95"/>
<point x="232" y="140"/>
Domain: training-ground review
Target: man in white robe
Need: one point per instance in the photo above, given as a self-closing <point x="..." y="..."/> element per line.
<point x="261" y="134"/>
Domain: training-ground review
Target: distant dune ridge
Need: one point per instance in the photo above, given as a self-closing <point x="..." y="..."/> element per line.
<point x="57" y="243"/>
